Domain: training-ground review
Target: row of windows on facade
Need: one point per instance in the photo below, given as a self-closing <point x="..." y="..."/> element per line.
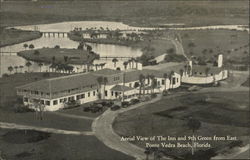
<point x="162" y="82"/>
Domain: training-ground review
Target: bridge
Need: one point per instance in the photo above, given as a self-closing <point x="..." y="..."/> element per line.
<point x="117" y="57"/>
<point x="8" y="53"/>
<point x="54" y="34"/>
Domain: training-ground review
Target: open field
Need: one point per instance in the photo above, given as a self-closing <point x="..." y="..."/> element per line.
<point x="220" y="114"/>
<point x="57" y="55"/>
<point x="207" y="44"/>
<point x="136" y="13"/>
<point x="54" y="146"/>
<point x="14" y="36"/>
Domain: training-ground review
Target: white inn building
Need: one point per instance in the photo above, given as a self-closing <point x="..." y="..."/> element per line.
<point x="55" y="93"/>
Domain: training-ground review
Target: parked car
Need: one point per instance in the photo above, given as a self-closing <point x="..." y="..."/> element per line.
<point x="125" y="104"/>
<point x="86" y="109"/>
<point x="134" y="101"/>
<point x="115" y="107"/>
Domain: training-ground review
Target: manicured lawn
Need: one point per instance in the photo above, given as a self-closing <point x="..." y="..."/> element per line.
<point x="75" y="56"/>
<point x="14" y="36"/>
<point x="59" y="147"/>
<point x="220" y="114"/>
<point x="234" y="45"/>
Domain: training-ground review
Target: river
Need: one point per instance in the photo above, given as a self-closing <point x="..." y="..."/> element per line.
<point x="7" y="60"/>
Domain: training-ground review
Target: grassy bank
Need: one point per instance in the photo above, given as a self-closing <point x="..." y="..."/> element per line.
<point x="207" y="44"/>
<point x="15" y="36"/>
<point x="220" y="114"/>
<point x="136" y="13"/>
<point x="56" y="146"/>
<point x="59" y="55"/>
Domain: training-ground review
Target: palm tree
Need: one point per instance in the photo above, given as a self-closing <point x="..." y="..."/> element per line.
<point x="125" y="65"/>
<point x="207" y="71"/>
<point x="99" y="81"/>
<point x="40" y="65"/>
<point x="105" y="81"/>
<point x="165" y="76"/>
<point x="25" y="46"/>
<point x="114" y="60"/>
<point x="31" y="46"/>
<point x="181" y="73"/>
<point x="16" y="67"/>
<point x="10" y="69"/>
<point x="28" y="64"/>
<point x="153" y="84"/>
<point x="171" y="78"/>
<point x="193" y="124"/>
<point x="142" y="81"/>
<point x="147" y="152"/>
<point x="65" y="59"/>
<point x="21" y="68"/>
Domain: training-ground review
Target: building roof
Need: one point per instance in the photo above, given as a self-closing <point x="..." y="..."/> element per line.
<point x="106" y="72"/>
<point x="121" y="88"/>
<point x="84" y="80"/>
<point x="202" y="69"/>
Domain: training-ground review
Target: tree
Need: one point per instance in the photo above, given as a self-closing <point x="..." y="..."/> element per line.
<point x="21" y="68"/>
<point x="31" y="46"/>
<point x="141" y="81"/>
<point x="96" y="66"/>
<point x="53" y="59"/>
<point x="171" y="78"/>
<point x="125" y="65"/>
<point x="147" y="152"/>
<point x="10" y="69"/>
<point x="36" y="52"/>
<point x="57" y="46"/>
<point x="165" y="76"/>
<point x="28" y="64"/>
<point x="25" y="46"/>
<point x="99" y="81"/>
<point x="114" y="60"/>
<point x="181" y="74"/>
<point x="193" y="124"/>
<point x="153" y="84"/>
<point x="65" y="59"/>
<point x="16" y="67"/>
<point x="207" y="71"/>
<point x="40" y="65"/>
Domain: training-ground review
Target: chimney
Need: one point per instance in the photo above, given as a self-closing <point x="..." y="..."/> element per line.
<point x="220" y="60"/>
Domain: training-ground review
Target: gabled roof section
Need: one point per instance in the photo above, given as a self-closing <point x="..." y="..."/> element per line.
<point x="106" y="72"/>
<point x="121" y="88"/>
<point x="62" y="83"/>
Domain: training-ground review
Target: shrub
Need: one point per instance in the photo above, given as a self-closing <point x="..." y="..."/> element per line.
<point x="134" y="101"/>
<point x="5" y="75"/>
<point x="22" y="109"/>
<point x="125" y="104"/>
<point x="154" y="95"/>
<point x="165" y="93"/>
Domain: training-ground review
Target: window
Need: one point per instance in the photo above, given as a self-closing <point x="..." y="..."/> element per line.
<point x="130" y="84"/>
<point x="36" y="92"/>
<point x="177" y="80"/>
<point x="82" y="96"/>
<point x="163" y="82"/>
<point x="174" y="81"/>
<point x="25" y="99"/>
<point x="93" y="93"/>
<point x="78" y="97"/>
<point x="55" y="102"/>
<point x="158" y="83"/>
<point x="42" y="101"/>
<point x="41" y="93"/>
<point x="106" y="93"/>
<point x="48" y="103"/>
<point x="112" y="93"/>
<point x="200" y="73"/>
<point x="116" y="78"/>
<point x="65" y="99"/>
<point x="88" y="94"/>
<point x="61" y="100"/>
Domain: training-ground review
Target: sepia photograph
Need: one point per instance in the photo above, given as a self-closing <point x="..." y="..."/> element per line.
<point x="124" y="80"/>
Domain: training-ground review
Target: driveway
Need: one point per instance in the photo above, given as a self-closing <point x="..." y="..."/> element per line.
<point x="102" y="128"/>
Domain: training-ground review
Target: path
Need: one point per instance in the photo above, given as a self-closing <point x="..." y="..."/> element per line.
<point x="71" y="115"/>
<point x="43" y="129"/>
<point x="102" y="128"/>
